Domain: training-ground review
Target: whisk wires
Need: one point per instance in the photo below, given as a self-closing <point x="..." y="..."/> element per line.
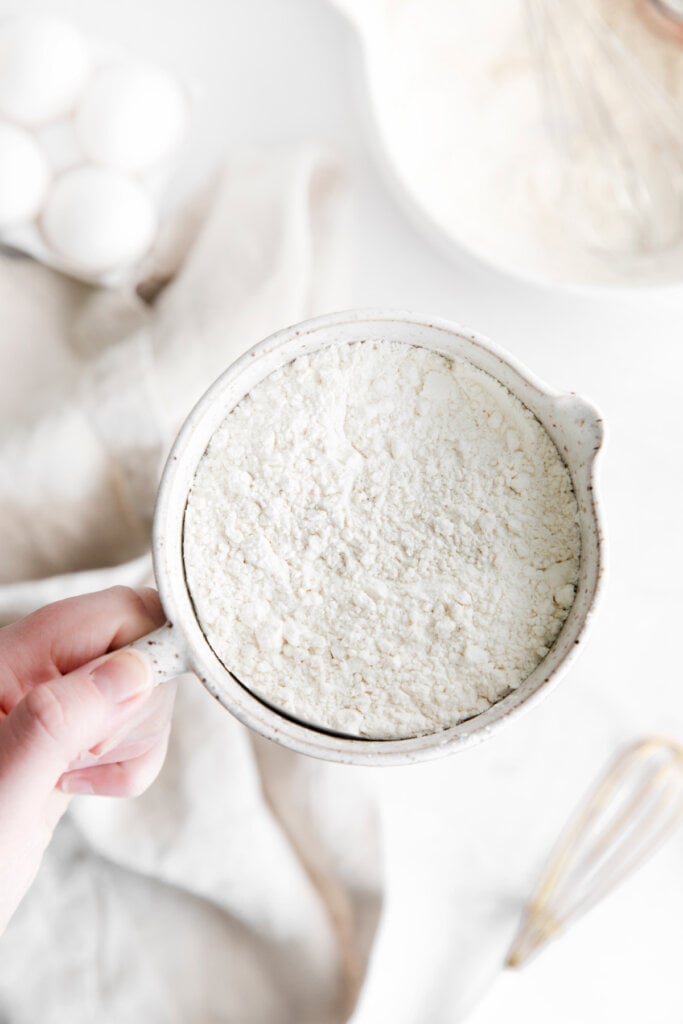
<point x="632" y="810"/>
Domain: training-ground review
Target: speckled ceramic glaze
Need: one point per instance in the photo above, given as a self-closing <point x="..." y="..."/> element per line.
<point x="180" y="646"/>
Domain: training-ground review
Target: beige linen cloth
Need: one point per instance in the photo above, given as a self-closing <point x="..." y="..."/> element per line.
<point x="245" y="885"/>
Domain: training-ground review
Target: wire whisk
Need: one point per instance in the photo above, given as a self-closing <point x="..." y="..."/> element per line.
<point x="635" y="806"/>
<point x="617" y="135"/>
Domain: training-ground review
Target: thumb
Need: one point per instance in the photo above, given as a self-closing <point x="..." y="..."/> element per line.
<point x="59" y="719"/>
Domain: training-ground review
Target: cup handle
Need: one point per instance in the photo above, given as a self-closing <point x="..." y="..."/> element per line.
<point x="167" y="652"/>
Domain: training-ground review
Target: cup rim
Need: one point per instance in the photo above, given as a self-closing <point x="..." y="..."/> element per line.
<point x="566" y="417"/>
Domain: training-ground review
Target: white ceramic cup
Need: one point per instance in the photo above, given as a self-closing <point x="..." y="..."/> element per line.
<point x="180" y="646"/>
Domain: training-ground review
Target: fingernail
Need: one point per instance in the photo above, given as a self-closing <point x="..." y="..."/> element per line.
<point x="75" y="786"/>
<point x="100" y="749"/>
<point x="88" y="758"/>
<point x="121" y="676"/>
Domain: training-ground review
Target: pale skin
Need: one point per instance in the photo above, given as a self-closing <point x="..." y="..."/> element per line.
<point x="77" y="716"/>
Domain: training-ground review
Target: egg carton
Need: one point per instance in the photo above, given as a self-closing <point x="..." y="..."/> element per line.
<point x="88" y="139"/>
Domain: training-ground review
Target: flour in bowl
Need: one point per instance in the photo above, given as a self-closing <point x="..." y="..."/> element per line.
<point x="381" y="541"/>
<point x="456" y="94"/>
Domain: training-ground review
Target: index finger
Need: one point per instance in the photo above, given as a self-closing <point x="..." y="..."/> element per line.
<point x="60" y="637"/>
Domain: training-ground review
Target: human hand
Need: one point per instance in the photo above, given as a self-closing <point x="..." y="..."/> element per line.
<point x="74" y="718"/>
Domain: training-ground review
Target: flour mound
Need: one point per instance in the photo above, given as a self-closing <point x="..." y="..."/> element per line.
<point x="381" y="541"/>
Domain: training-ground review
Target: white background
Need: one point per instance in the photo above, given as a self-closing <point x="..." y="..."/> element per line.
<point x="287" y="71"/>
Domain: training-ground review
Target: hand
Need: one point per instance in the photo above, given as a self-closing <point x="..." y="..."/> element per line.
<point x="74" y="718"/>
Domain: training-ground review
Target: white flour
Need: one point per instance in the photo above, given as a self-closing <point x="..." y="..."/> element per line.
<point x="380" y="541"/>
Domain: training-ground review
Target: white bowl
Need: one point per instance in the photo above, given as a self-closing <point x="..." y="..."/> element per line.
<point x="180" y="646"/>
<point x="495" y="223"/>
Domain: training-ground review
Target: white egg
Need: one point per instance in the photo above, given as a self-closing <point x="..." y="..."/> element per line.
<point x="131" y="116"/>
<point x="24" y="176"/>
<point x="44" y="62"/>
<point x="98" y="219"/>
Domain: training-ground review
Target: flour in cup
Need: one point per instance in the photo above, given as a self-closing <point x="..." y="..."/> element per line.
<point x="380" y="541"/>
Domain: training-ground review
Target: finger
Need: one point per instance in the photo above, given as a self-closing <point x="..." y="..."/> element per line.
<point x="145" y="723"/>
<point x="148" y="716"/>
<point x="125" y="749"/>
<point x="60" y="637"/>
<point x="127" y="778"/>
<point x="146" y="615"/>
<point x="57" y="720"/>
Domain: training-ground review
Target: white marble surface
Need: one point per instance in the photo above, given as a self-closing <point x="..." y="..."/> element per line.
<point x="282" y="70"/>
